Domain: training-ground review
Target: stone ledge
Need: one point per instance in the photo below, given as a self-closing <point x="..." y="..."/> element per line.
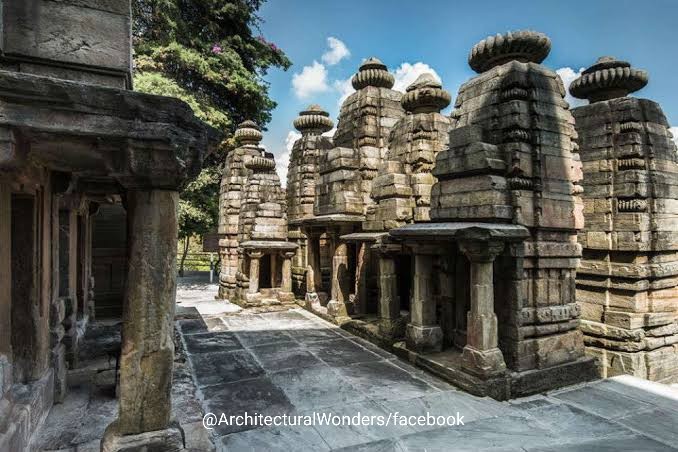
<point x="447" y="365"/>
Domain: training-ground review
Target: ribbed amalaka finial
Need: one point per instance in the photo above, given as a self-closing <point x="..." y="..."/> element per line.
<point x="608" y="79"/>
<point x="313" y="121"/>
<point x="248" y="132"/>
<point x="425" y="95"/>
<point x="524" y="46"/>
<point x="373" y="73"/>
<point x="260" y="164"/>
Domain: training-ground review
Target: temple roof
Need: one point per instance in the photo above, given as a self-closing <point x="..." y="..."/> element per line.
<point x="608" y="78"/>
<point x="372" y="73"/>
<point x="313" y="120"/>
<point x="425" y="95"/>
<point x="248" y="132"/>
<point x="523" y="45"/>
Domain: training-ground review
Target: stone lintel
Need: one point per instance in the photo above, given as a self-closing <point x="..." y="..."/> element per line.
<point x="278" y="245"/>
<point x="461" y="231"/>
<point x="333" y="219"/>
<point x="364" y="236"/>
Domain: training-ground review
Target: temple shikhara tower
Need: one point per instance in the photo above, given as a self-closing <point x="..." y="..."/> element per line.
<point x="256" y="255"/>
<point x="301" y="183"/>
<point x="627" y="281"/>
<point x="344" y="184"/>
<point x="494" y="271"/>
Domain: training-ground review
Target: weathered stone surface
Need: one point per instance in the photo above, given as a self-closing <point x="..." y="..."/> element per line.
<point x="148" y="317"/>
<point x="626" y="280"/>
<point x="170" y="439"/>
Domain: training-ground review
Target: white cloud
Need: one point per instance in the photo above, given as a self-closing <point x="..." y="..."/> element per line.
<point x="337" y="51"/>
<point x="345" y="89"/>
<point x="408" y="73"/>
<point x="283" y="160"/>
<point x="312" y="80"/>
<point x="568" y="75"/>
<point x="674" y="132"/>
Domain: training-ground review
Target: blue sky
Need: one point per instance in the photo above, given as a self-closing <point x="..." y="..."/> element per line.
<point x="327" y="40"/>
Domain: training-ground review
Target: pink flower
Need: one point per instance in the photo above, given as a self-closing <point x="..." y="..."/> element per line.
<point x="216" y="49"/>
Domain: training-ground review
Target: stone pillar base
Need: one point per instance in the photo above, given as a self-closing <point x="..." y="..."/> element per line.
<point x="285" y="297"/>
<point x="311" y="300"/>
<point x="392" y="328"/>
<point x="339" y="309"/>
<point x="170" y="439"/>
<point x="483" y="363"/>
<point x="424" y="338"/>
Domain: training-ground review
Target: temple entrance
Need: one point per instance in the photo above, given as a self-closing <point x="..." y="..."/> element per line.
<point x="265" y="271"/>
<point x="25" y="303"/>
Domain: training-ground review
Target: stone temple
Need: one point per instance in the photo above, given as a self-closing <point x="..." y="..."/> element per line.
<point x="453" y="240"/>
<point x="256" y="257"/>
<point x="628" y="277"/>
<point x="510" y="247"/>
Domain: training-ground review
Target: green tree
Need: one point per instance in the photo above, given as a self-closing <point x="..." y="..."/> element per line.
<point x="198" y="208"/>
<point x="210" y="54"/>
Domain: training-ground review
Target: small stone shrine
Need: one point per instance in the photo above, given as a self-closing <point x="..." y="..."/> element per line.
<point x="256" y="256"/>
<point x="344" y="185"/>
<point x="493" y="288"/>
<point x="301" y="181"/>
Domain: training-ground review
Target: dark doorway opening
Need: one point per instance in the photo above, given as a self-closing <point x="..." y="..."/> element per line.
<point x="265" y="272"/>
<point x="405" y="276"/>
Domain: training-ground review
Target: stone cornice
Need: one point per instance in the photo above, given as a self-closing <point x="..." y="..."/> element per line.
<point x="140" y="140"/>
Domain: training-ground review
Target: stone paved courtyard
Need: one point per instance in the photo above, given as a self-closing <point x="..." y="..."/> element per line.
<point x="295" y="363"/>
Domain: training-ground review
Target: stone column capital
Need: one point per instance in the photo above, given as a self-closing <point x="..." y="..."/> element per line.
<point x="481" y="251"/>
<point x="255" y="254"/>
<point x="288" y="254"/>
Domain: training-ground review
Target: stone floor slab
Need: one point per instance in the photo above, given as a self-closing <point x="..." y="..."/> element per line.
<point x="212" y="342"/>
<point x="275" y="357"/>
<point x="448" y="403"/>
<point x="341" y="352"/>
<point x="255" y="338"/>
<point x="316" y="387"/>
<point x="314" y="334"/>
<point x="656" y="423"/>
<point x="603" y="402"/>
<point x="394" y="382"/>
<point x="274" y="439"/>
<point x="340" y="436"/>
<point x="225" y="367"/>
<point x="625" y="443"/>
<point x="258" y="395"/>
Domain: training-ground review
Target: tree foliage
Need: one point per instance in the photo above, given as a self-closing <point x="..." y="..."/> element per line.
<point x="210" y="54"/>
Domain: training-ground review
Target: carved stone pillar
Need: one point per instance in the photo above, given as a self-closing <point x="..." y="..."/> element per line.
<point x="338" y="305"/>
<point x="314" y="273"/>
<point x="389" y="305"/>
<point x="274" y="270"/>
<point x="361" y="280"/>
<point x="481" y="355"/>
<point x="148" y="326"/>
<point x="423" y="333"/>
<point x="255" y="256"/>
<point x="287" y="271"/>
